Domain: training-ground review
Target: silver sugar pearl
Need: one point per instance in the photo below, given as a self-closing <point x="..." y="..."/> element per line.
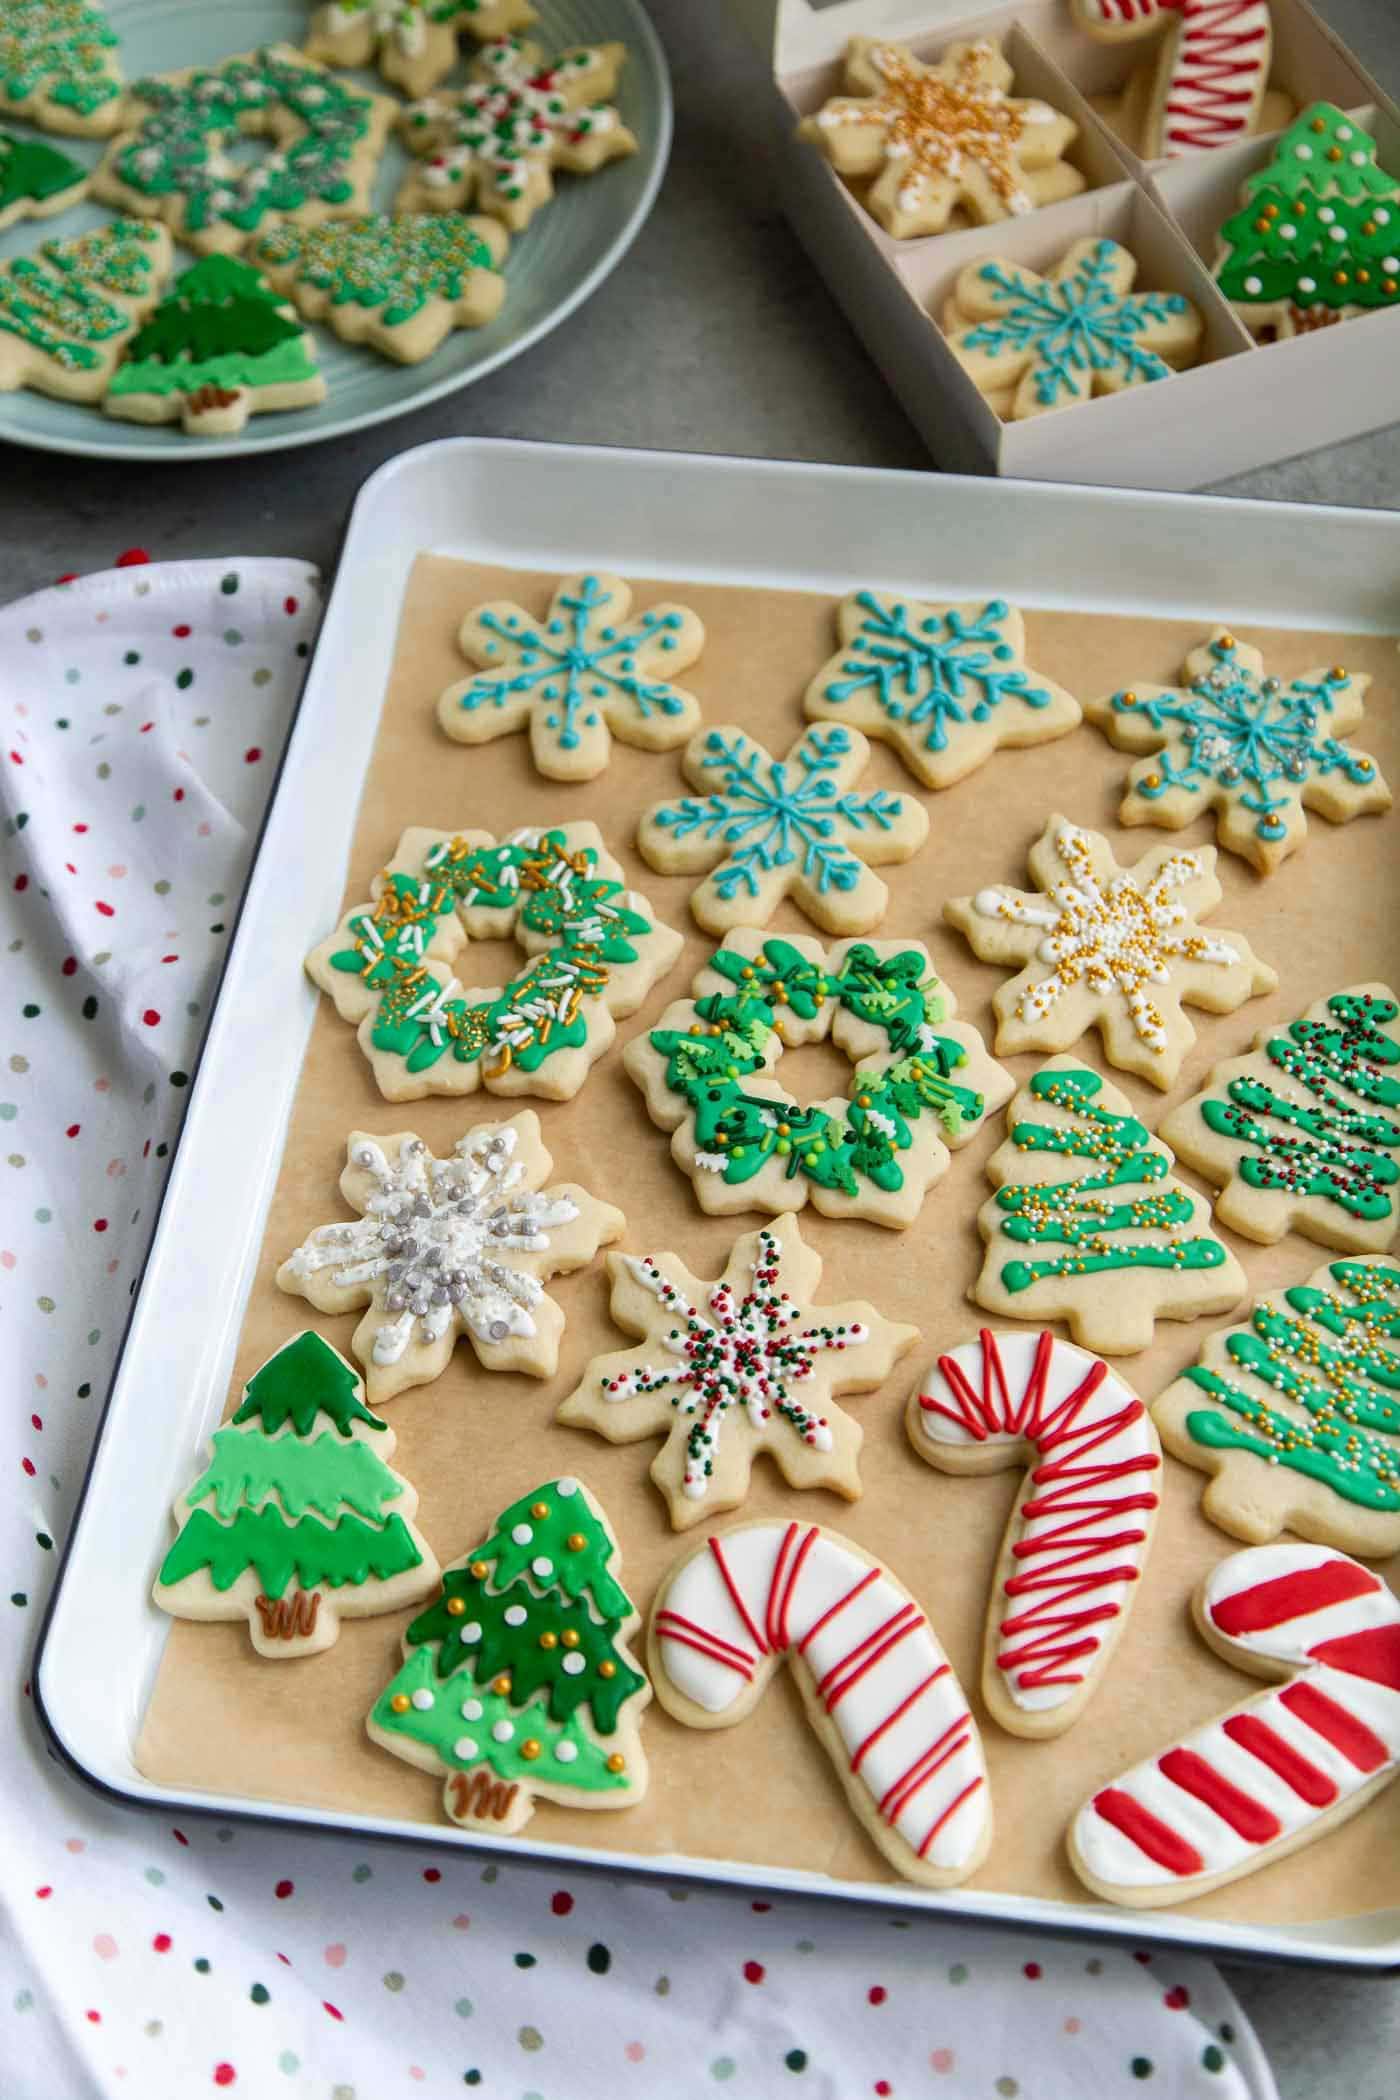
<point x="498" y="1330"/>
<point x="1273" y="685"/>
<point x="394" y="1300"/>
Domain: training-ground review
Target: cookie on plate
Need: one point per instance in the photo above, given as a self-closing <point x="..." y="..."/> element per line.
<point x="413" y="42"/>
<point x="59" y="66"/>
<point x="36" y="180"/>
<point x="399" y="284"/>
<point x="67" y="310"/>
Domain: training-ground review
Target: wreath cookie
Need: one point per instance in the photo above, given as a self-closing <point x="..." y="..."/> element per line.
<point x="755" y="1370"/>
<point x="1253" y="749"/>
<point x="597" y="950"/>
<point x="448" y="1247"/>
<point x="59" y="66"/>
<point x="582" y="675"/>
<point x="922" y="1081"/>
<point x="414" y="42"/>
<point x="1111" y="948"/>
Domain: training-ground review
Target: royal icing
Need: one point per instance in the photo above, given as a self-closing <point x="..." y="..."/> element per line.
<point x="1079" y="1535"/>
<point x="1280" y="1768"/>
<point x="34" y="176"/>
<point x="396" y="30"/>
<point x="395" y="270"/>
<point x="57" y="61"/>
<point x="76" y="300"/>
<point x="906" y="1750"/>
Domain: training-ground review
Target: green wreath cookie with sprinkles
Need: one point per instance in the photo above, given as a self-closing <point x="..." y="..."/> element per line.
<point x="595" y="948"/>
<point x="921" y="1086"/>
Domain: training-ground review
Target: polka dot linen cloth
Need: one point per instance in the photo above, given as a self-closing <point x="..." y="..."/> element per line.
<point x="143" y="714"/>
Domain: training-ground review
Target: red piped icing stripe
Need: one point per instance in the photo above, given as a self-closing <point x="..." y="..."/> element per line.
<point x="896" y="1714"/>
<point x="856" y="1590"/>
<point x="670" y="1626"/>
<point x="1247" y="1817"/>
<point x="867" y="1653"/>
<point x="1249" y="1733"/>
<point x="949" y="1812"/>
<point x="736" y="1597"/>
<point x="1358" y="1744"/>
<point x="1372" y="1652"/>
<point x="787" y="1570"/>
<point x="901" y="1792"/>
<point x="1157" y="1839"/>
<point x="779" y="1565"/>
<point x="1267" y="1604"/>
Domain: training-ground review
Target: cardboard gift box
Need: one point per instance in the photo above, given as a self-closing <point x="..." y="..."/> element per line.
<point x="1243" y="404"/>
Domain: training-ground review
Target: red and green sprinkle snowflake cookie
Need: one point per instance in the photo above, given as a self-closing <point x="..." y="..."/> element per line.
<point x="414" y="42"/>
<point x="921" y="1085"/>
<point x="59" y="66"/>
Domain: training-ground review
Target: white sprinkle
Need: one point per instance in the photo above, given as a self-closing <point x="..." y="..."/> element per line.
<point x="470" y="1633"/>
<point x="423" y="1699"/>
<point x="1253" y="285"/>
<point x="574" y="1663"/>
<point x="567" y="1486"/>
<point x="522" y="1534"/>
<point x="465" y="1749"/>
<point x="566" y="1753"/>
<point x="472" y="1709"/>
<point x="516" y="1615"/>
<point x="503" y="1731"/>
<point x="543" y="1567"/>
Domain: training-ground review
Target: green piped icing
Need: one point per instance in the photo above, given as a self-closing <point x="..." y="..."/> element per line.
<point x="322" y="1475"/>
<point x="31" y="170"/>
<point x="305" y="1378"/>
<point x="444" y="1728"/>
<point x="57" y="49"/>
<point x="349" y="1554"/>
<point x="60" y="300"/>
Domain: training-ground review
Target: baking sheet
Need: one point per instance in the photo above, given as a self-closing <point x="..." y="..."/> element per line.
<point x="221" y="1719"/>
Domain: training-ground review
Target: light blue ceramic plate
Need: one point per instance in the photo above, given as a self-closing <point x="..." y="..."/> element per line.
<point x="551" y="269"/>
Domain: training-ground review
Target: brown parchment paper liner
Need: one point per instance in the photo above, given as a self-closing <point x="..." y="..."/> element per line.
<point x="220" y="1717"/>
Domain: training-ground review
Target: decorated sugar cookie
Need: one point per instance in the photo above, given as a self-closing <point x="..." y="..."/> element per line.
<point x="1279" y="1771"/>
<point x="414" y="42"/>
<point x="221" y="346"/>
<point x="400" y="284"/>
<point x="1032" y="343"/>
<point x="36" y="180"/>
<point x="449" y="1247"/>
<point x="297" y="1521"/>
<point x="1116" y="949"/>
<point x="1206" y="85"/>
<point x="1257" y="751"/>
<point x="597" y="951"/>
<point x="520" y="116"/>
<point x="1303" y="1133"/>
<point x="729" y="1369"/>
<point x="1296" y="1413"/>
<point x="1090" y="1225"/>
<point x="172" y="162"/>
<point x="945" y="685"/>
<point x="921" y="1085"/>
<point x="519" y="1683"/>
<point x="59" y="66"/>
<point x="761" y="829"/>
<point x="1317" y="237"/>
<point x="941" y="138"/>
<point x="590" y="670"/>
<point x="1078" y="1538"/>
<point x="876" y="1685"/>
<point x="66" y="311"/>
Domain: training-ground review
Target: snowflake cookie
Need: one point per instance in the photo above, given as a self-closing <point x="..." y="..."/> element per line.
<point x="1252" y="748"/>
<point x="729" y="1369"/>
<point x="443" y="1247"/>
<point x="1089" y="1224"/>
<point x="767" y="828"/>
<point x="597" y="951"/>
<point x="36" y="180"/>
<point x="922" y="1083"/>
<point x="939" y="137"/>
<point x="1110" y="948"/>
<point x="946" y="685"/>
<point x="399" y="284"/>
<point x="583" y="674"/>
<point x="501" y="136"/>
<point x="172" y="162"/>
<point x="1030" y="343"/>
<point x="66" y="311"/>
<point x="298" y="1520"/>
<point x="414" y="42"/>
<point x="1303" y="1133"/>
<point x="59" y="66"/>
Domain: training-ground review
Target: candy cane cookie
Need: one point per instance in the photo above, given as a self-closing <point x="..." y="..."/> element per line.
<point x="1081" y="1529"/>
<point x="1280" y="1770"/>
<point x="877" y="1687"/>
<point x="1207" y="85"/>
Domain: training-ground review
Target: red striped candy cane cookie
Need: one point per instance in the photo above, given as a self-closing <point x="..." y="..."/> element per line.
<point x="1208" y="81"/>
<point x="1279" y="1771"/>
<point x="878" y="1689"/>
<point x="1082" y="1524"/>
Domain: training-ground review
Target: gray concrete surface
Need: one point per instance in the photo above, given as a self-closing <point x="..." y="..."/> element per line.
<point x="715" y="335"/>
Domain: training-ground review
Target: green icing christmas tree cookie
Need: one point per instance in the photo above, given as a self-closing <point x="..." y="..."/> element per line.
<point x="221" y="346"/>
<point x="66" y="311"/>
<point x="297" y="1521"/>
<point x="1317" y="237"/>
<point x="36" y="180"/>
<point x="519" y="1682"/>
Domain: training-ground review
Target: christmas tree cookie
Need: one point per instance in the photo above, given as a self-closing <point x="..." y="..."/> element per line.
<point x="221" y="346"/>
<point x="500" y="138"/>
<point x="729" y="1369"/>
<point x="453" y="1246"/>
<point x="36" y="180"/>
<point x="519" y="1683"/>
<point x="400" y="284"/>
<point x="66" y="311"/>
<point x="59" y="66"/>
<point x="297" y="1521"/>
<point x="414" y="42"/>
<point x="1317" y="236"/>
<point x="1090" y="1225"/>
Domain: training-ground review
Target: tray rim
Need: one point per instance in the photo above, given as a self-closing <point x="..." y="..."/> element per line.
<point x="1366" y="1943"/>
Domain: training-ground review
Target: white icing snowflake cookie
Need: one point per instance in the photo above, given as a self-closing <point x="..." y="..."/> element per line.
<point x="448" y="1247"/>
<point x="1110" y="948"/>
<point x="414" y="42"/>
<point x="729" y="1369"/>
<point x="596" y="952"/>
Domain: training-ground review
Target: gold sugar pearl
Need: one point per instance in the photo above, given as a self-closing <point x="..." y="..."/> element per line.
<point x="1334" y="152"/>
<point x="1339" y="670"/>
<point x="575" y="1542"/>
<point x="1152" y="780"/>
<point x="479" y="1569"/>
<point x="549" y="1640"/>
<point x="570" y="1637"/>
<point x="539" y="1509"/>
<point x="400" y="1702"/>
<point x="456" y="1606"/>
<point x="607" y="1669"/>
<point x="530" y="1748"/>
<point x="617" y="1762"/>
<point x="1129" y="699"/>
<point x="1227" y="641"/>
<point x="501" y="1685"/>
<point x="1318" y="124"/>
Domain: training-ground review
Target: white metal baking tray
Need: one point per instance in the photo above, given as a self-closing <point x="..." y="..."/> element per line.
<point x="653" y="514"/>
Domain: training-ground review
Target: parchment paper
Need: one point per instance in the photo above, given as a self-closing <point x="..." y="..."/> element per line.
<point x="764" y="1793"/>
